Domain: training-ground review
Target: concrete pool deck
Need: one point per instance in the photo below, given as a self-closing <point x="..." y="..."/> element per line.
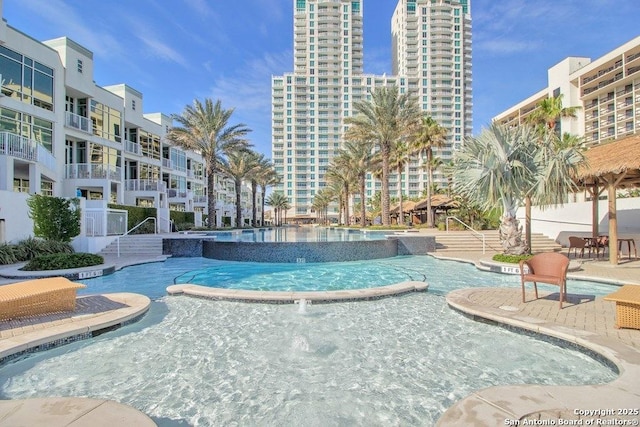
<point x="585" y="321"/>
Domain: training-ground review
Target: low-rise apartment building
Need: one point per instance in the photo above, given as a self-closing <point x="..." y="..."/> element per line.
<point x="63" y="135"/>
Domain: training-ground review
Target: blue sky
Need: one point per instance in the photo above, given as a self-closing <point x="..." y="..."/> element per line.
<point x="229" y="49"/>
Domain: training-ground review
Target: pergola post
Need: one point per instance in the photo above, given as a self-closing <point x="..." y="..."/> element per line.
<point x="595" y="220"/>
<point x="613" y="222"/>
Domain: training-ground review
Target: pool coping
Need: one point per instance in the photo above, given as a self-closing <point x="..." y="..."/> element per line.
<point x="291" y="297"/>
<point x="78" y="327"/>
<point x="506" y="405"/>
<point x="65" y="411"/>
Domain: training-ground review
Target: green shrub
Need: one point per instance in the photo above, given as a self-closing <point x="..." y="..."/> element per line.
<point x="31" y="248"/>
<point x="7" y="254"/>
<point x="63" y="262"/>
<point x="510" y="259"/>
<point x="137" y="214"/>
<point x="54" y="218"/>
<point x="182" y="218"/>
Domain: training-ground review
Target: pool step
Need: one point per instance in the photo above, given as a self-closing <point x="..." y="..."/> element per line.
<point x="136" y="244"/>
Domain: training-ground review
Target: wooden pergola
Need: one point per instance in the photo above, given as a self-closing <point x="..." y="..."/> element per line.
<point x="610" y="166"/>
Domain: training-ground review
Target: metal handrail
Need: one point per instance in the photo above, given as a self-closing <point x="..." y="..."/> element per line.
<point x="468" y="227"/>
<point x="155" y="230"/>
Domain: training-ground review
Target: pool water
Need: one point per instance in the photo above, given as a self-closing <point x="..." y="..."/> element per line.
<point x="397" y="361"/>
<point x="442" y="276"/>
<point x="298" y="234"/>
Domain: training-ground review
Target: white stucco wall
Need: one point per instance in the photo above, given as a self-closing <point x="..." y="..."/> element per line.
<point x="574" y="219"/>
<point x="15" y="213"/>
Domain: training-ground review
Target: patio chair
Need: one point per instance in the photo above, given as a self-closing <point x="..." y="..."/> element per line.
<point x="602" y="243"/>
<point x="546" y="267"/>
<point x="576" y="243"/>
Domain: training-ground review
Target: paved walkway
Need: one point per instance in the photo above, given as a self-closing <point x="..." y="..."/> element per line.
<point x="584" y="320"/>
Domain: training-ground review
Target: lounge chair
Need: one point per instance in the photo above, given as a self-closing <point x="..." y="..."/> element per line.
<point x="39" y="296"/>
<point x="547" y="267"/>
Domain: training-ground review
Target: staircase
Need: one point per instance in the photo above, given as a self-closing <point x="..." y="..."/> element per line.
<point x="466" y="241"/>
<point x="135" y="244"/>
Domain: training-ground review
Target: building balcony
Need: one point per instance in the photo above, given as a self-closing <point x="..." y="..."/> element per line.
<point x="175" y="193"/>
<point x="145" y="185"/>
<point x="167" y="163"/>
<point x="78" y="122"/>
<point x="27" y="149"/>
<point x="132" y="147"/>
<point x="92" y="171"/>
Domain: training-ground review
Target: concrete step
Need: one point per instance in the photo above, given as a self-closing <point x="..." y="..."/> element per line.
<point x="468" y="241"/>
<point x="135" y="244"/>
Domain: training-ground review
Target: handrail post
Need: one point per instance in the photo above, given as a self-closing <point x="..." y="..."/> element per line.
<point x="471" y="229"/>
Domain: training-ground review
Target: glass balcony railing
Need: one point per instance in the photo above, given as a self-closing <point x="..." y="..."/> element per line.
<point x="76" y="121"/>
<point x="144" y="185"/>
<point x="92" y="171"/>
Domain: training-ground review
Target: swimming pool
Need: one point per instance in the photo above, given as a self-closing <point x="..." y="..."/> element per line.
<point x="298" y="234"/>
<point x="442" y="276"/>
<point x="398" y="361"/>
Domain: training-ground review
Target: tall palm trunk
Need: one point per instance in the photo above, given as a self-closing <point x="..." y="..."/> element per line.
<point x="211" y="199"/>
<point x="254" y="211"/>
<point x="238" y="185"/>
<point x="363" y="208"/>
<point x="429" y="208"/>
<point x="346" y="205"/>
<point x="401" y="212"/>
<point x="264" y="195"/>
<point x="385" y="183"/>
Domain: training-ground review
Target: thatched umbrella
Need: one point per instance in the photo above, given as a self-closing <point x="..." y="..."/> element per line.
<point x="613" y="165"/>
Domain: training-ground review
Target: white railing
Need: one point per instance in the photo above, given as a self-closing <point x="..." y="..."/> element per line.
<point x="477" y="233"/>
<point x="76" y="121"/>
<point x="144" y="185"/>
<point x="155" y="230"/>
<point x="105" y="222"/>
<point x="25" y="148"/>
<point x="92" y="171"/>
<point x="166" y="163"/>
<point x="132" y="147"/>
<point x="200" y="199"/>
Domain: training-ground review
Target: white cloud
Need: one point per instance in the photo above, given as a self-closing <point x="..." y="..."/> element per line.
<point x="59" y="14"/>
<point x="249" y="88"/>
<point x="506" y="47"/>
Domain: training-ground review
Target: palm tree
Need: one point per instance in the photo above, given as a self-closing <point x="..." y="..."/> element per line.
<point x="399" y="157"/>
<point x="506" y="165"/>
<point x="239" y="166"/>
<point x="278" y="202"/>
<point x="549" y="111"/>
<point x="205" y="128"/>
<point x="359" y="157"/>
<point x="430" y="135"/>
<point x="557" y="160"/>
<point x="387" y="118"/>
<point x="493" y="169"/>
<point x="321" y="202"/>
<point x="340" y="177"/>
<point x="262" y="165"/>
<point x="265" y="178"/>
